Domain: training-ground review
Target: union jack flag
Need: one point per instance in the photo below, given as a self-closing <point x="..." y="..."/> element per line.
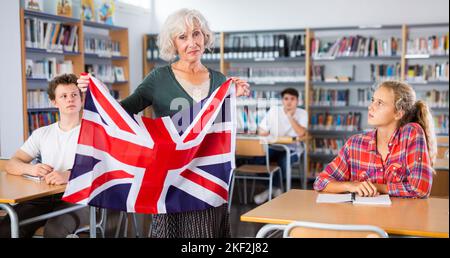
<point x="164" y="165"/>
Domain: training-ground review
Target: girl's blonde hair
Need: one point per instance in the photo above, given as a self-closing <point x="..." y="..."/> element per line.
<point x="416" y="111"/>
<point x="175" y="25"/>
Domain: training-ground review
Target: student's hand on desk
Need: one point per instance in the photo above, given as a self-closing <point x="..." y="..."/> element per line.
<point x="40" y="170"/>
<point x="242" y="87"/>
<point x="57" y="178"/>
<point x="364" y="189"/>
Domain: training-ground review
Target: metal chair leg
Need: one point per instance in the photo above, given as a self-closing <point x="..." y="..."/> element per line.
<point x="134" y="221"/>
<point x="281" y="180"/>
<point x="230" y="197"/>
<point x="270" y="186"/>
<point x="245" y="191"/>
<point x="119" y="225"/>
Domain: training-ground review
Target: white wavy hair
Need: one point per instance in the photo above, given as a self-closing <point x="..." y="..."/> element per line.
<point x="175" y="25"/>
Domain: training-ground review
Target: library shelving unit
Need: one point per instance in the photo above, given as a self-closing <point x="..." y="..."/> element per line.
<point x="39" y="50"/>
<point x="337" y="81"/>
<point x="427" y="66"/>
<point x="120" y="86"/>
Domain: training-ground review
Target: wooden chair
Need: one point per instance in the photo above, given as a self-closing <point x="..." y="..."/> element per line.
<point x="440" y="187"/>
<point x="302" y="229"/>
<point x="254" y="148"/>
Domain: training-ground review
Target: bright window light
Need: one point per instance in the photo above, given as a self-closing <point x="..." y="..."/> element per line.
<point x="138" y="3"/>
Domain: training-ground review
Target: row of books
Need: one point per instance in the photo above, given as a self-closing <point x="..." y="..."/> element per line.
<point x="432" y="45"/>
<point x="441" y="123"/>
<point x="101" y="47"/>
<point x="355" y="46"/>
<point x="382" y="72"/>
<point x="152" y="48"/>
<point x="38" y="99"/>
<point x="249" y="118"/>
<point x="47" y="68"/>
<point x="426" y="73"/>
<point x="326" y="145"/>
<point x="106" y="72"/>
<point x="260" y="46"/>
<point x="269" y="75"/>
<point x="330" y="97"/>
<point x="263" y="99"/>
<point x="336" y="122"/>
<point x="50" y="35"/>
<point x="434" y="98"/>
<point x="39" y="119"/>
<point x="318" y="75"/>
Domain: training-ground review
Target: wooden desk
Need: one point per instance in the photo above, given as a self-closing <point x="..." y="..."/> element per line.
<point x="16" y="189"/>
<point x="411" y="217"/>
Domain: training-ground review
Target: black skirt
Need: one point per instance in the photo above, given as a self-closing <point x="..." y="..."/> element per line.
<point x="209" y="223"/>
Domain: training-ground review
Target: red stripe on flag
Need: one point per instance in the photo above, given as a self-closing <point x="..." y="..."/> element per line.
<point x="93" y="134"/>
<point x="212" y="107"/>
<point x="99" y="181"/>
<point x="112" y="112"/>
<point x="206" y="183"/>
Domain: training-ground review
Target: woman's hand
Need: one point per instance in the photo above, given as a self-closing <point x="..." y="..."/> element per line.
<point x="242" y="87"/>
<point x="83" y="82"/>
<point x="364" y="189"/>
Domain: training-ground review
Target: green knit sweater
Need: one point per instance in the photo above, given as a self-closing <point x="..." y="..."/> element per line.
<point x="160" y="88"/>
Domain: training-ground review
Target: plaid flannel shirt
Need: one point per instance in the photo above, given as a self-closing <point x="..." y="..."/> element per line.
<point x="407" y="170"/>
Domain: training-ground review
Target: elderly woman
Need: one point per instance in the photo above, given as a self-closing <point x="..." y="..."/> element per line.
<point x="185" y="35"/>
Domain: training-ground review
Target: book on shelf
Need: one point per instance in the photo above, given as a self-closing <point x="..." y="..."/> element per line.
<point x="64" y="8"/>
<point x="59" y="7"/>
<point x="263" y="46"/>
<point x="47" y="68"/>
<point x="106" y="11"/>
<point x="330" y="97"/>
<point x="39" y="119"/>
<point x="88" y="10"/>
<point x="269" y="75"/>
<point x="441" y="124"/>
<point x="434" y="98"/>
<point x="50" y="35"/>
<point x="383" y="72"/>
<point x="336" y="122"/>
<point x="34" y="5"/>
<point x="382" y="199"/>
<point x="432" y="45"/>
<point x="119" y="74"/>
<point x="427" y="73"/>
<point x="214" y="52"/>
<point x="38" y="99"/>
<point x="103" y="47"/>
<point x="329" y="146"/>
<point x="103" y="72"/>
<point x="356" y="46"/>
<point x="152" y="48"/>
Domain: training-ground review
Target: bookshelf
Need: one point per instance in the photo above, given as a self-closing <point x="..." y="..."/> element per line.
<point x="48" y="54"/>
<point x="379" y="53"/>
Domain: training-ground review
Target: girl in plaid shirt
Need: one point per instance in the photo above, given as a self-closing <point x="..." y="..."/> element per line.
<point x="395" y="158"/>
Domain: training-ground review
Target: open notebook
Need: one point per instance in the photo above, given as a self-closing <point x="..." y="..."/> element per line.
<point x="355" y="199"/>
